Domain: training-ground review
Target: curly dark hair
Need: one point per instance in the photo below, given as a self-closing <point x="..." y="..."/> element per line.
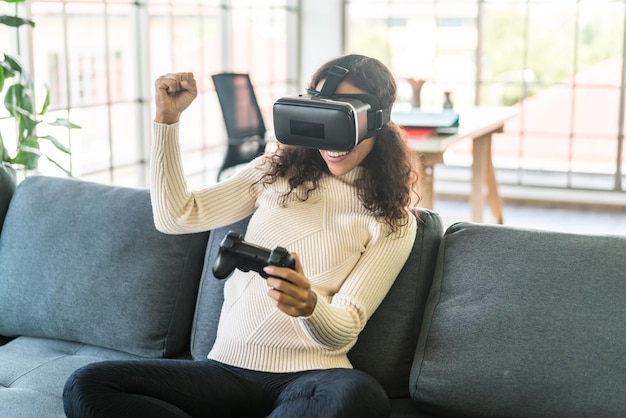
<point x="389" y="177"/>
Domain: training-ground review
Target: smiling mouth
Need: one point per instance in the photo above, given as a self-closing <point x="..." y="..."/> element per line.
<point x="337" y="154"/>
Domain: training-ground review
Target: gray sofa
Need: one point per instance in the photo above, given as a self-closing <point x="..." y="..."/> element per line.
<point x="483" y="320"/>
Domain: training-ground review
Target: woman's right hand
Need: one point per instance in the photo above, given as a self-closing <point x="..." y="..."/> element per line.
<point x="174" y="93"/>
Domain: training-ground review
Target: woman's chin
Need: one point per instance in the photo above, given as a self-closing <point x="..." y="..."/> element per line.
<point x="338" y="163"/>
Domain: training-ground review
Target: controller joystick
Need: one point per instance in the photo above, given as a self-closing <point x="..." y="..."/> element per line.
<point x="235" y="253"/>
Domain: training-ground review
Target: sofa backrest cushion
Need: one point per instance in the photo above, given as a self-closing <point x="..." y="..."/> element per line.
<point x="210" y="295"/>
<point x="386" y="346"/>
<point x="523" y="323"/>
<point x="83" y="262"/>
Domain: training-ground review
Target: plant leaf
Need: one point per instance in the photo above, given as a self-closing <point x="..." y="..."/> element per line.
<point x="65" y="123"/>
<point x="57" y="144"/>
<point x="46" y="102"/>
<point x="14" y="1"/>
<point x="28" y="154"/>
<point x="7" y="64"/>
<point x="4" y="152"/>
<point x="12" y="63"/>
<point x="15" y="22"/>
<point x="19" y="101"/>
<point x="67" y="172"/>
<point x="29" y="158"/>
<point x="13" y="67"/>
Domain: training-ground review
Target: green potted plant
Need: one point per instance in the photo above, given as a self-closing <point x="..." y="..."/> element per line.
<point x="18" y="90"/>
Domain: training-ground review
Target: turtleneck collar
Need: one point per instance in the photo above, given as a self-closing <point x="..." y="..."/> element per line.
<point x="351" y="177"/>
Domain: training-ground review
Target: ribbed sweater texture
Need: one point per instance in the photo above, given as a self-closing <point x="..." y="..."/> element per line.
<point x="347" y="254"/>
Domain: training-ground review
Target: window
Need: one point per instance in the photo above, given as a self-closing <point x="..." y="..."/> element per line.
<point x="99" y="59"/>
<point x="560" y="61"/>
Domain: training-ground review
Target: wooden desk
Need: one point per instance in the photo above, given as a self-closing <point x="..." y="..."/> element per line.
<point x="477" y="124"/>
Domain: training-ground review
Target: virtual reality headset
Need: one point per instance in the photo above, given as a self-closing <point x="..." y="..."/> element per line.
<point x="328" y="121"/>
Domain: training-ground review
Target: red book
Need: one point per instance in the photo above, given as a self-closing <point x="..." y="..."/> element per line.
<point x="414" y="133"/>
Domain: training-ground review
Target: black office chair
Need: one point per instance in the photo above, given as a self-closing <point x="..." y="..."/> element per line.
<point x="242" y="116"/>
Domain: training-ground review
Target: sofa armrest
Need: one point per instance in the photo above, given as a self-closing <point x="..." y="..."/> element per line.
<point x="7" y="188"/>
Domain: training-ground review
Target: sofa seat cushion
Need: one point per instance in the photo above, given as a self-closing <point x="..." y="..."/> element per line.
<point x="34" y="371"/>
<point x="83" y="262"/>
<point x="524" y="323"/>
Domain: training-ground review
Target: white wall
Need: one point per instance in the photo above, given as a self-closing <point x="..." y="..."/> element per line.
<point x="322" y="35"/>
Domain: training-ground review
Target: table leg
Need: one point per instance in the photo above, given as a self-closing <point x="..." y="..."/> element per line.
<point x="493" y="197"/>
<point x="483" y="174"/>
<point x="427" y="163"/>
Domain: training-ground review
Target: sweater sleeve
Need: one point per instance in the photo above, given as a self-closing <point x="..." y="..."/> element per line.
<point x="177" y="210"/>
<point x="336" y="322"/>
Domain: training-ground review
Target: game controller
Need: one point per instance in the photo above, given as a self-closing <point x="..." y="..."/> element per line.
<point x="234" y="253"/>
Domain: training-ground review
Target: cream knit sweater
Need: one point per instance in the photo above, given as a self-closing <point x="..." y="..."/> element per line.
<point x="346" y="254"/>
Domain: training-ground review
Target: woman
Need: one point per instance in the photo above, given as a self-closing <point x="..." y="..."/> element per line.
<point x="281" y="343"/>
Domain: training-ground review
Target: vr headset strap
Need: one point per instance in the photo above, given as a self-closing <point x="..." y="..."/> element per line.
<point x="335" y="75"/>
<point x="376" y="117"/>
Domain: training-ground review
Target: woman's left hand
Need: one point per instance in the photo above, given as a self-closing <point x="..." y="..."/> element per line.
<point x="291" y="290"/>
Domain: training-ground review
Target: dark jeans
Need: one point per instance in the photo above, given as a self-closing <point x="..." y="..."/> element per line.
<point x="185" y="388"/>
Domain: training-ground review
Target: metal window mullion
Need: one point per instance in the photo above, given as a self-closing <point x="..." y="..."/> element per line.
<point x="294" y="79"/>
<point x="479" y="52"/>
<point x="226" y="24"/>
<point x="250" y="34"/>
<point x="170" y="6"/>
<point x="143" y="88"/>
<point x="204" y="128"/>
<point x="109" y="113"/>
<point x="522" y="131"/>
<point x="68" y="90"/>
<point x="574" y="87"/>
<point x="618" y="186"/>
